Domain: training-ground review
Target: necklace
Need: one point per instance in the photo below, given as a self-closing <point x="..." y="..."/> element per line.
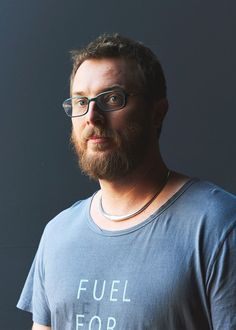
<point x="130" y="215"/>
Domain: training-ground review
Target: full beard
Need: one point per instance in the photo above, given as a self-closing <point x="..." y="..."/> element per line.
<point x="127" y="150"/>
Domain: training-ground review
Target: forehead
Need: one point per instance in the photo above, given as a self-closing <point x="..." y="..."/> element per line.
<point x="96" y="75"/>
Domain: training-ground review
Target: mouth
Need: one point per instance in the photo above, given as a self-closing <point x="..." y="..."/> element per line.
<point x="98" y="139"/>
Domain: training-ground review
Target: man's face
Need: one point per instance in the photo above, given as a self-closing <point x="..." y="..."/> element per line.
<point x="110" y="144"/>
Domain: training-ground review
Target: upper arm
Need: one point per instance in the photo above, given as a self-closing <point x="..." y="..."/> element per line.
<point x="40" y="327"/>
<point x="222" y="285"/>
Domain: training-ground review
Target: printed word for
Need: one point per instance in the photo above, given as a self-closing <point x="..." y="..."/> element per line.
<point x="95" y="323"/>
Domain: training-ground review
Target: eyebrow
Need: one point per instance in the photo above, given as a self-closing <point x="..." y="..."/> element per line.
<point x="109" y="88"/>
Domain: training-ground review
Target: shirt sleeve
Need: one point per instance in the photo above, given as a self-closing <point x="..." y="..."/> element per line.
<point x="222" y="285"/>
<point x="33" y="298"/>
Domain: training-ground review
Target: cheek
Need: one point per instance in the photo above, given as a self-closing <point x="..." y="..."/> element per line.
<point x="120" y="120"/>
<point x="75" y="135"/>
<point x="76" y="127"/>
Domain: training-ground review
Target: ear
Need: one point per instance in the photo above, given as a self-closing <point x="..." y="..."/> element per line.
<point x="159" y="112"/>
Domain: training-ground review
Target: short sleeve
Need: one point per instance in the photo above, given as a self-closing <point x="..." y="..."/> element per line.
<point x="222" y="285"/>
<point x="33" y="298"/>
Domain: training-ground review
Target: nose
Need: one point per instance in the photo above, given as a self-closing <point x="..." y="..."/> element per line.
<point x="94" y="115"/>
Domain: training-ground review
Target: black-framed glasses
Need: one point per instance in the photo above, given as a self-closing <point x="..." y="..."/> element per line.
<point x="107" y="101"/>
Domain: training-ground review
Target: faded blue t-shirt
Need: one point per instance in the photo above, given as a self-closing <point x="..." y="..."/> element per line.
<point x="174" y="271"/>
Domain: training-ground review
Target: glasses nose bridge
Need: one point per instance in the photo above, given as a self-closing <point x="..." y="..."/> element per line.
<point x="92" y="99"/>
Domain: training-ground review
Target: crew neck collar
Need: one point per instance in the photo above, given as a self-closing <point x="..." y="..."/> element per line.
<point x="93" y="226"/>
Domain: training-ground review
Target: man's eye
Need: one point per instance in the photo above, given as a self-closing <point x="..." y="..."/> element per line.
<point x="80" y="102"/>
<point x="114" y="98"/>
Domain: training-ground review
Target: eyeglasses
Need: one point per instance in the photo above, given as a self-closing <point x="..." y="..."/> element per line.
<point x="107" y="101"/>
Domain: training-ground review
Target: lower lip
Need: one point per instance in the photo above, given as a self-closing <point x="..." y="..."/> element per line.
<point x="98" y="140"/>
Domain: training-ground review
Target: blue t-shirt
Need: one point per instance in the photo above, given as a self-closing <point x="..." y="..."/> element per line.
<point x="174" y="271"/>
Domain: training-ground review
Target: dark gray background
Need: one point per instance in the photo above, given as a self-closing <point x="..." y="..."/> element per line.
<point x="195" y="41"/>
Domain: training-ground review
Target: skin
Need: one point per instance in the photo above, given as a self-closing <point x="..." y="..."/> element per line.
<point x="40" y="327"/>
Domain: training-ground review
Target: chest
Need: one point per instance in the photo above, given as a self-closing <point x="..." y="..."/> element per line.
<point x="116" y="284"/>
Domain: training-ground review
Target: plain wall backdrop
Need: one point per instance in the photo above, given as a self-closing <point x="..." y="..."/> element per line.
<point x="195" y="42"/>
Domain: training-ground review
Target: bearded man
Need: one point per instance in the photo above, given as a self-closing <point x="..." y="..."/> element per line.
<point x="153" y="248"/>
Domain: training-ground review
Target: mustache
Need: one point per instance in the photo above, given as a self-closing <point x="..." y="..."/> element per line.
<point x="89" y="132"/>
<point x="95" y="131"/>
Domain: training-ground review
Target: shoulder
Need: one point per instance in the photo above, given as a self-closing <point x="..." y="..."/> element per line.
<point x="205" y="218"/>
<point x="208" y="211"/>
<point x="208" y="198"/>
<point x="66" y="219"/>
<point x="204" y="211"/>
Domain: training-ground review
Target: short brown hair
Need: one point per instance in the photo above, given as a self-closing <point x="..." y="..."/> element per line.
<point x="115" y="45"/>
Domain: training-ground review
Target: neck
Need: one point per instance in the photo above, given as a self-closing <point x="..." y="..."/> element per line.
<point x="135" y="188"/>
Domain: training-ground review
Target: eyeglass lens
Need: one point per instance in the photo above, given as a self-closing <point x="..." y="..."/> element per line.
<point x="107" y="101"/>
